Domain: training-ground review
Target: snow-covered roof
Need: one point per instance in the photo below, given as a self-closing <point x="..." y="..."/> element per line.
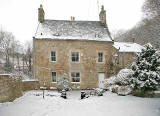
<point x="128" y="47"/>
<point x="72" y="30"/>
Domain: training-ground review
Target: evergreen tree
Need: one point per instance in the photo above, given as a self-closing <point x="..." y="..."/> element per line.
<point x="146" y="69"/>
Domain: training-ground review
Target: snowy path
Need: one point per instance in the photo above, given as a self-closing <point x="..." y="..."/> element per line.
<point x="32" y="104"/>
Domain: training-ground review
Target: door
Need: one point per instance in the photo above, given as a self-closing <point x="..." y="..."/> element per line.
<point x="101" y="80"/>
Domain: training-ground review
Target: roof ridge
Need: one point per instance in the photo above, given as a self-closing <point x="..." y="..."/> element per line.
<point x="70" y="20"/>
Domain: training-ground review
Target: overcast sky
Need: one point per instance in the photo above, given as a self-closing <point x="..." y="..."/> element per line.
<point x="21" y="16"/>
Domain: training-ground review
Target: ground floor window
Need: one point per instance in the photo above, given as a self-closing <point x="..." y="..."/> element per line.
<point x="53" y="76"/>
<point x="75" y="77"/>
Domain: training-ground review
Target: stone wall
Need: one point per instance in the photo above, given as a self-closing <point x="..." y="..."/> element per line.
<point x="88" y="65"/>
<point x="30" y="85"/>
<point x="125" y="60"/>
<point x="10" y="87"/>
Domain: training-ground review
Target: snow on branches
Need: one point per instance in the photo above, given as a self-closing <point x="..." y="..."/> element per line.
<point x="146" y="69"/>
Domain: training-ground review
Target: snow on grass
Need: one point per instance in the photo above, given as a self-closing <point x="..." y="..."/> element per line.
<point x="33" y="104"/>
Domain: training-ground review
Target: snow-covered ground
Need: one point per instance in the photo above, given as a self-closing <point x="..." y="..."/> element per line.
<point x="32" y="104"/>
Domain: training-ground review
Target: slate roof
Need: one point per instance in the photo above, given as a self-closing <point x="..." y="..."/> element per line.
<point x="72" y="30"/>
<point x="128" y="47"/>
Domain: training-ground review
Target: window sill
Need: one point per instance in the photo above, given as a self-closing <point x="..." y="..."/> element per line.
<point x="54" y="82"/>
<point x="53" y="61"/>
<point x="100" y="62"/>
<point x="75" y="62"/>
<point x="76" y="82"/>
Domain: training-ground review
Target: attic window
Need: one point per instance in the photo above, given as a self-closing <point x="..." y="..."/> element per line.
<point x="127" y="45"/>
<point x="97" y="35"/>
<point x="56" y="34"/>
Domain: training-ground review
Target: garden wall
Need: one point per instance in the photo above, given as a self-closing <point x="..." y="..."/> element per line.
<point x="30" y="85"/>
<point x="10" y="87"/>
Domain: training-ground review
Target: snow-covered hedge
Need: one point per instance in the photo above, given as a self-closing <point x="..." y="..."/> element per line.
<point x="120" y="83"/>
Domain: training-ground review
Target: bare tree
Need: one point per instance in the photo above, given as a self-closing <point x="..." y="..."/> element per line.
<point x="5" y="42"/>
<point x="27" y="57"/>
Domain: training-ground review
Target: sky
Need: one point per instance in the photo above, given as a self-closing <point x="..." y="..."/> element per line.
<point x="21" y="16"/>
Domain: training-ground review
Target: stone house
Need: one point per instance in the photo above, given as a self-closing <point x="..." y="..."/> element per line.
<point x="125" y="54"/>
<point x="83" y="51"/>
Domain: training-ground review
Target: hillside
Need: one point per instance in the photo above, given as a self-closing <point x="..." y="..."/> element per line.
<point x="147" y="30"/>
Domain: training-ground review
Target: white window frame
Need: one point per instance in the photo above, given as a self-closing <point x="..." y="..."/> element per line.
<point x="99" y="57"/>
<point x="79" y="77"/>
<point x="53" y="56"/>
<point x="78" y="57"/>
<point x="52" y="77"/>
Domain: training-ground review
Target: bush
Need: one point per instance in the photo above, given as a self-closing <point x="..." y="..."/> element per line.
<point x="123" y="78"/>
<point x="63" y="83"/>
<point x="142" y="93"/>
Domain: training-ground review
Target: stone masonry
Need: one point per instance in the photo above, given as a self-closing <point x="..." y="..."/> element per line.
<point x="88" y="65"/>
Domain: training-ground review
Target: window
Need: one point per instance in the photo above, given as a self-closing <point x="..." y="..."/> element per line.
<point x="75" y="56"/>
<point x="100" y="57"/>
<point x="75" y="77"/>
<point x="53" y="76"/>
<point x="53" y="56"/>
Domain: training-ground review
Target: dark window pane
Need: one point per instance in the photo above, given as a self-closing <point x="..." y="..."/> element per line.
<point x="53" y="76"/>
<point x="53" y="56"/>
<point x="75" y="77"/>
<point x="75" y="56"/>
<point x="100" y="57"/>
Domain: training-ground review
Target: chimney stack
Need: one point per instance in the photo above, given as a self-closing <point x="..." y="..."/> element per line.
<point x="41" y="14"/>
<point x="102" y="16"/>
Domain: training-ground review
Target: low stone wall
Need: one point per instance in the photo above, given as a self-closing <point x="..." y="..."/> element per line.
<point x="10" y="87"/>
<point x="30" y="85"/>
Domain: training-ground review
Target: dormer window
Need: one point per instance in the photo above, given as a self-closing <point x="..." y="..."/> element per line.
<point x="98" y="35"/>
<point x="56" y="34"/>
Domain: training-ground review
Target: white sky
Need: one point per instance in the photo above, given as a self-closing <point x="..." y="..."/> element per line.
<point x="21" y="16"/>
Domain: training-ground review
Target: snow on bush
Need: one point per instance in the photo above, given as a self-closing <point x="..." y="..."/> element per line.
<point x="124" y="90"/>
<point x="120" y="83"/>
<point x="122" y="78"/>
<point x="146" y="69"/>
<point x="62" y="83"/>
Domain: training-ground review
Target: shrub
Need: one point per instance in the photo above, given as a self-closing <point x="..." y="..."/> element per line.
<point x="62" y="83"/>
<point x="142" y="93"/>
<point x="123" y="78"/>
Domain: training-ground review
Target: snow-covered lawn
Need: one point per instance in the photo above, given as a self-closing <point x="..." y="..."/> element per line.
<point x="32" y="104"/>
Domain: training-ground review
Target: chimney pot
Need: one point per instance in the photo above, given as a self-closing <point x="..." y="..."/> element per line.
<point x="73" y="18"/>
